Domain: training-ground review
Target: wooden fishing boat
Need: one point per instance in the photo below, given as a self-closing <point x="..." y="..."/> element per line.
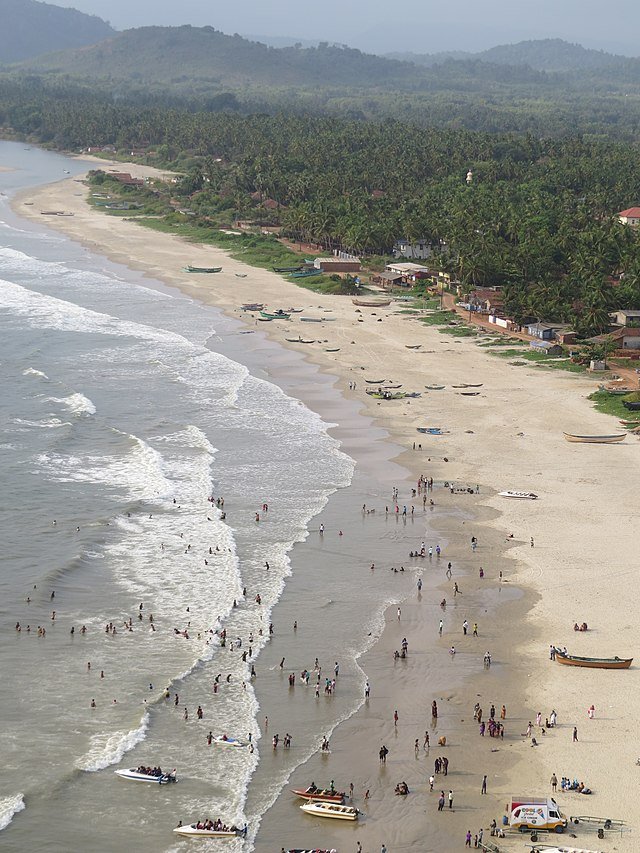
<point x="241" y="275"/>
<point x="299" y="268"/>
<point x="189" y="268"/>
<point x="435" y="387"/>
<point x="333" y="349"/>
<point x="295" y="310"/>
<point x="325" y="795"/>
<point x="253" y="306"/>
<point x="375" y="381"/>
<point x="630" y="423"/>
<point x="595" y="439"/>
<point x="385" y="395"/>
<point x="593" y="663"/>
<point x="469" y="393"/>
<point x="372" y="303"/>
<point x="312" y="319"/>
<point x="413" y="394"/>
<point x="474" y="385"/>
<point x="275" y="315"/>
<point x="299" y="341"/>
<point x="393" y="387"/>
<point x="306" y="273"/>
<point x="458" y="386"/>
<point x="333" y="810"/>
<point x="524" y="496"/>
<point x="416" y="346"/>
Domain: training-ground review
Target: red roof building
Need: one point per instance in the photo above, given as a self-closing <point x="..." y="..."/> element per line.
<point x="630" y="216"/>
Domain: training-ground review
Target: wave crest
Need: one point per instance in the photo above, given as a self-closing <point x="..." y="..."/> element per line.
<point x="9" y="806"/>
<point x="110" y="747"/>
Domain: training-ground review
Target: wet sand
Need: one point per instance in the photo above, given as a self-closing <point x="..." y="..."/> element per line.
<point x="509" y="437"/>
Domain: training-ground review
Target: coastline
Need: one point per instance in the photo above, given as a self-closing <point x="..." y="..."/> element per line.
<point x="516" y="443"/>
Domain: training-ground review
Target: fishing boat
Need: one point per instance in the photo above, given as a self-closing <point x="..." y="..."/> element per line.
<point x="306" y="273"/>
<point x="523" y="496"/>
<point x="469" y="393"/>
<point x="394" y="387"/>
<point x="386" y="395"/>
<point x="593" y="663"/>
<point x="631" y="405"/>
<point x="299" y="341"/>
<point x="372" y="303"/>
<point x="225" y="740"/>
<point x="333" y="810"/>
<point x="630" y="423"/>
<point x="595" y="439"/>
<point x="275" y="315"/>
<point x="473" y="385"/>
<point x="309" y="850"/>
<point x="416" y="346"/>
<point x="375" y="381"/>
<point x="458" y="386"/>
<point x="311" y="319"/>
<point x="194" y="831"/>
<point x="432" y="431"/>
<point x="435" y="387"/>
<point x="325" y="795"/>
<point x="189" y="268"/>
<point x="135" y="774"/>
<point x="333" y="349"/>
<point x="241" y="275"/>
<point x="299" y="268"/>
<point x="413" y="394"/>
<point x="252" y="306"/>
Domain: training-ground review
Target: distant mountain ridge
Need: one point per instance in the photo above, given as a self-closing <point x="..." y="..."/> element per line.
<point x="29" y="28"/>
<point x="552" y="55"/>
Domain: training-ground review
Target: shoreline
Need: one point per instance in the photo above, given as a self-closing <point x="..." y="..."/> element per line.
<point x="499" y="457"/>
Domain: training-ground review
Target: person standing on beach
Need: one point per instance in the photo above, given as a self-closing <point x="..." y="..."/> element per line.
<point x="554" y="782"/>
<point x="440" y="627"/>
<point x="395" y="718"/>
<point x="441" y="801"/>
<point x="367" y="690"/>
<point x="465" y="626"/>
<point x="483" y="789"/>
<point x="399" y="614"/>
<point x="450" y="799"/>
<point x="575" y="734"/>
<point x="467" y="842"/>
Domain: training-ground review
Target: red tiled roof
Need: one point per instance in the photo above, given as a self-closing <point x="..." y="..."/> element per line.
<point x="632" y="211"/>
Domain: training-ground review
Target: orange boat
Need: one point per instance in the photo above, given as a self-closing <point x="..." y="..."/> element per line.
<point x="324" y="795"/>
<point x="593" y="663"/>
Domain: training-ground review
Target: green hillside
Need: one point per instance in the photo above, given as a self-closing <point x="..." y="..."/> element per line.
<point x="30" y="28"/>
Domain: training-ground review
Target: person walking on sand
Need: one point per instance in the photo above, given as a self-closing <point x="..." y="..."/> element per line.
<point x="440" y="627"/>
<point x="591" y="712"/>
<point x="483" y="789"/>
<point x="416" y="747"/>
<point x="399" y="614"/>
<point x="395" y="718"/>
<point x="441" y="801"/>
<point x="467" y="842"/>
<point x="554" y="782"/>
<point x="575" y="735"/>
<point x="465" y="627"/>
<point x="450" y="798"/>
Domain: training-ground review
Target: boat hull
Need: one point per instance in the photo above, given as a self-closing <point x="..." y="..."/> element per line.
<point x="365" y="303"/>
<point x="523" y="496"/>
<point x="319" y="796"/>
<point x="193" y="832"/>
<point x="594" y="439"/>
<point x="232" y="742"/>
<point x="330" y="810"/>
<point x="134" y="776"/>
<point x="594" y="663"/>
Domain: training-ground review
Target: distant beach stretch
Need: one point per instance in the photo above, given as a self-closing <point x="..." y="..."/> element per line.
<point x="343" y="601"/>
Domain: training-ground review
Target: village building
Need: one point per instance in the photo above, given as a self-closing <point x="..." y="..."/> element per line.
<point x="417" y="249"/>
<point x="547" y="347"/>
<point x="626" y="317"/>
<point x="338" y="263"/>
<point x="631" y="216"/>
<point x="546" y="331"/>
<point x="387" y="280"/>
<point x="410" y="272"/>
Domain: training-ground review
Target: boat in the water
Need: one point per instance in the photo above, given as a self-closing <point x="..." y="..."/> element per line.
<point x="275" y="315"/>
<point x="595" y="439"/>
<point x="372" y="303"/>
<point x="225" y="740"/>
<point x="334" y="810"/>
<point x="208" y="829"/>
<point x="138" y="774"/>
<point x="189" y="268"/>
<point x="325" y="795"/>
<point x="593" y="663"/>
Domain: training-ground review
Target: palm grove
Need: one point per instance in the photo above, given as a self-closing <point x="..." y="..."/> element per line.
<point x="538" y="219"/>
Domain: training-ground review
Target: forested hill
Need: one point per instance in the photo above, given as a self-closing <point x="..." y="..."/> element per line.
<point x="29" y="28"/>
<point x="553" y="55"/>
<point x="175" y="54"/>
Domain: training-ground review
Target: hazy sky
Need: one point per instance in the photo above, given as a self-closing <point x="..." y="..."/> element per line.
<point x="423" y="26"/>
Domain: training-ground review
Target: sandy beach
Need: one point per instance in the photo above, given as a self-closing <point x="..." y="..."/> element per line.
<point x="572" y="554"/>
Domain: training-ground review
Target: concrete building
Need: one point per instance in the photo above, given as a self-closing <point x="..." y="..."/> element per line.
<point x="417" y="249"/>
<point x="631" y="216"/>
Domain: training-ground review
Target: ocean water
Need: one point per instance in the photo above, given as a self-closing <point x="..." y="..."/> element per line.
<point x="126" y="407"/>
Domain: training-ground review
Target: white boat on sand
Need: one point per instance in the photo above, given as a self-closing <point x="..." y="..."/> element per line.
<point x="333" y="810"/>
<point x="524" y="496"/>
<point x="595" y="439"/>
<point x="136" y="775"/>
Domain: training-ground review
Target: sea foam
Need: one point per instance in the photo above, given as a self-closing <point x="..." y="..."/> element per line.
<point x="109" y="748"/>
<point x="9" y="806"/>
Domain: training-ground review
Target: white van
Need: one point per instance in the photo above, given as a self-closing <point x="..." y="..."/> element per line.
<point x="536" y="813"/>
